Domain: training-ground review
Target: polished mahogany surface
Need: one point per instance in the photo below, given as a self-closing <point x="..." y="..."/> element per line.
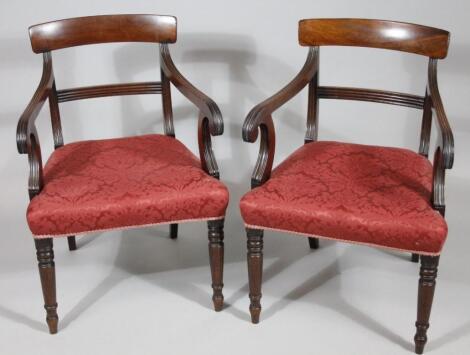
<point x="407" y="37"/>
<point x="102" y="29"/>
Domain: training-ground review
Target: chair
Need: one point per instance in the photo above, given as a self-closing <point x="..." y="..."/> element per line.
<point x="377" y="196"/>
<point x="101" y="185"/>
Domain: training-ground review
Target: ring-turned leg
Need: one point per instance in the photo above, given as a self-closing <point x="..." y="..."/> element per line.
<point x="427" y="283"/>
<point x="313" y="242"/>
<point x="255" y="270"/>
<point x="72" y="243"/>
<point x="415" y="258"/>
<point x="174" y="231"/>
<point x="45" y="256"/>
<point x="216" y="255"/>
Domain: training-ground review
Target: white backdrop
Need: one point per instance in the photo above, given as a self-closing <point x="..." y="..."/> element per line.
<point x="239" y="53"/>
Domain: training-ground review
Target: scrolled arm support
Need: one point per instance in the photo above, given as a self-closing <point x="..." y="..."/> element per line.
<point x="210" y="117"/>
<point x="444" y="154"/>
<point x="36" y="176"/>
<point x="259" y="119"/>
<point x="26" y="122"/>
<point x="205" y="104"/>
<point x="206" y="154"/>
<point x="438" y="200"/>
<point x="267" y="147"/>
<point x="27" y="139"/>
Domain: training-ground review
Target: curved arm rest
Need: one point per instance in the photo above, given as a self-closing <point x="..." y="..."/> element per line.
<point x="446" y="136"/>
<point x="261" y="112"/>
<point x="205" y="104"/>
<point x="26" y="125"/>
<point x="260" y="120"/>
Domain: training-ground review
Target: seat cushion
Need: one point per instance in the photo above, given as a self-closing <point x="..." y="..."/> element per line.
<point x="125" y="182"/>
<point x="371" y="195"/>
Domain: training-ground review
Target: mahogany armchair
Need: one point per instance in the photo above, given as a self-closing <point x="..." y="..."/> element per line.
<point x="101" y="185"/>
<point x="376" y="196"/>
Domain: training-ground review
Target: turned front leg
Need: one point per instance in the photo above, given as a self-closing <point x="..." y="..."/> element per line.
<point x="427" y="283"/>
<point x="216" y="255"/>
<point x="45" y="256"/>
<point x="255" y="270"/>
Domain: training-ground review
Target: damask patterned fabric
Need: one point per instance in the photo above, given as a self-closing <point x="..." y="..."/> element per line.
<point x="371" y="195"/>
<point x="125" y="182"/>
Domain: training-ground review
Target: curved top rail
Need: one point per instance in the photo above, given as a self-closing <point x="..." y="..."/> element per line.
<point x="80" y="31"/>
<point x="400" y="36"/>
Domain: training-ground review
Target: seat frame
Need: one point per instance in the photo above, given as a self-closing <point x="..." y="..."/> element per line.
<point x="80" y="31"/>
<point x="406" y="37"/>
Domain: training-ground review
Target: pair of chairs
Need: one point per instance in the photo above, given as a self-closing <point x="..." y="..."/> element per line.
<point x="377" y="196"/>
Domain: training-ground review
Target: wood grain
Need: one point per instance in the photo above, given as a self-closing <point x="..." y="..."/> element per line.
<point x="407" y="37"/>
<point x="80" y="31"/>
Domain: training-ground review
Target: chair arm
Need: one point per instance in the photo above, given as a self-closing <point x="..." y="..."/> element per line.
<point x="264" y="110"/>
<point x="27" y="139"/>
<point x="210" y="117"/>
<point x="444" y="154"/>
<point x="446" y="136"/>
<point x="26" y="122"/>
<point x="205" y="104"/>
<point x="260" y="119"/>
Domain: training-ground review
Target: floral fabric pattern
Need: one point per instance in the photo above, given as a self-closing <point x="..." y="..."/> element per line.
<point x="124" y="182"/>
<point x="372" y="195"/>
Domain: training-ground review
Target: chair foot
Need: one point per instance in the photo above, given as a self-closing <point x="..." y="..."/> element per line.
<point x="216" y="256"/>
<point x="173" y="231"/>
<point x="255" y="270"/>
<point x="313" y="242"/>
<point x="45" y="257"/>
<point x="72" y="243"/>
<point x="415" y="258"/>
<point x="427" y="284"/>
<point x="255" y="312"/>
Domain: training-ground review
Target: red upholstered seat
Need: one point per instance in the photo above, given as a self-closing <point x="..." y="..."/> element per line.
<point x="356" y="193"/>
<point x="125" y="182"/>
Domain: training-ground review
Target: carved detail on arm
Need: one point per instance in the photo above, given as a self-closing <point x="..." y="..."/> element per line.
<point x="313" y="102"/>
<point x="36" y="176"/>
<point x="26" y="135"/>
<point x="444" y="154"/>
<point x="438" y="183"/>
<point x="259" y="118"/>
<point x="267" y="147"/>
<point x="55" y="117"/>
<point x="208" y="162"/>
<point x="426" y="126"/>
<point x="166" y="105"/>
